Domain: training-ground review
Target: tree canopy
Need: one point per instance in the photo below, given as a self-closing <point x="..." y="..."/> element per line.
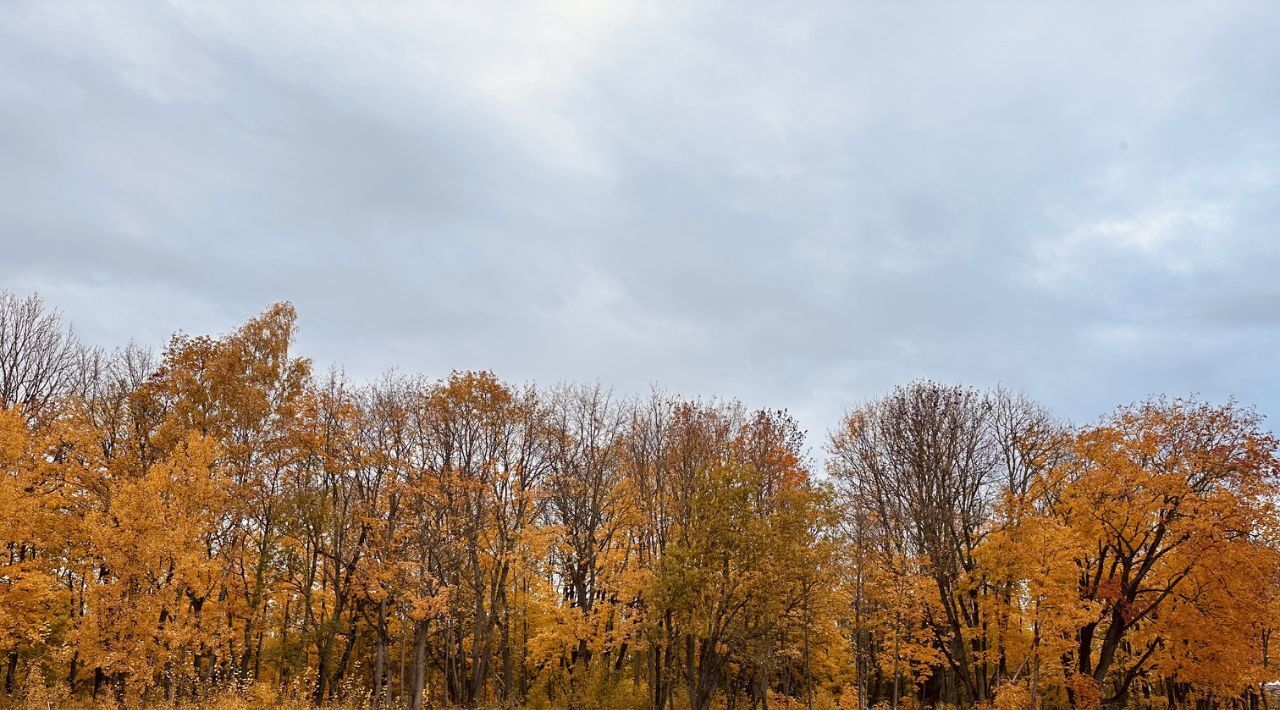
<point x="220" y="517"/>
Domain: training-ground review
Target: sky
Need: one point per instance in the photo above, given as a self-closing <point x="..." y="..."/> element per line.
<point x="797" y="204"/>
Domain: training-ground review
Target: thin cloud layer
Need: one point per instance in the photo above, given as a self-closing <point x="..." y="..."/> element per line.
<point x="800" y="205"/>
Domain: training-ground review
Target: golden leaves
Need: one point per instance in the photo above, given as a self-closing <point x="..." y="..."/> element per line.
<point x="226" y="516"/>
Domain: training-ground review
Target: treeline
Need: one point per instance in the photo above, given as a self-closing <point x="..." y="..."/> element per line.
<point x="219" y="517"/>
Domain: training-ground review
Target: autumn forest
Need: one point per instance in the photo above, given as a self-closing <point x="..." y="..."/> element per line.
<point x="224" y="521"/>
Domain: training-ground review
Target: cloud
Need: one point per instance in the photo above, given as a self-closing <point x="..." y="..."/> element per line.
<point x="798" y="204"/>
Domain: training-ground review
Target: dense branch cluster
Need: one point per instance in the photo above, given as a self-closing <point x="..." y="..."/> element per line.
<point x="220" y="519"/>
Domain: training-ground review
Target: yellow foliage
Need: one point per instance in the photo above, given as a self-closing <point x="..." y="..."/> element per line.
<point x="223" y="529"/>
<point x="1011" y="696"/>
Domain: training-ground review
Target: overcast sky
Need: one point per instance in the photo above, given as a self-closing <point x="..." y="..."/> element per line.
<point x="797" y="204"/>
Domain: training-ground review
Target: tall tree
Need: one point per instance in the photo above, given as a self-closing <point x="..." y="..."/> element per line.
<point x="1164" y="507"/>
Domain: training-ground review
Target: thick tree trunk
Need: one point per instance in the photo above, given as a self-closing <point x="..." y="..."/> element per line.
<point x="419" y="665"/>
<point x="380" y="663"/>
<point x="71" y="673"/>
<point x="10" y="671"/>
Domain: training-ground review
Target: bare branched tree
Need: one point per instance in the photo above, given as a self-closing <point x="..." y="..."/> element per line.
<point x="925" y="467"/>
<point x="40" y="359"/>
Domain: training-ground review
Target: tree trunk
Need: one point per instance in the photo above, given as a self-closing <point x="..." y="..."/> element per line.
<point x="10" y="670"/>
<point x="419" y="665"/>
<point x="380" y="663"/>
